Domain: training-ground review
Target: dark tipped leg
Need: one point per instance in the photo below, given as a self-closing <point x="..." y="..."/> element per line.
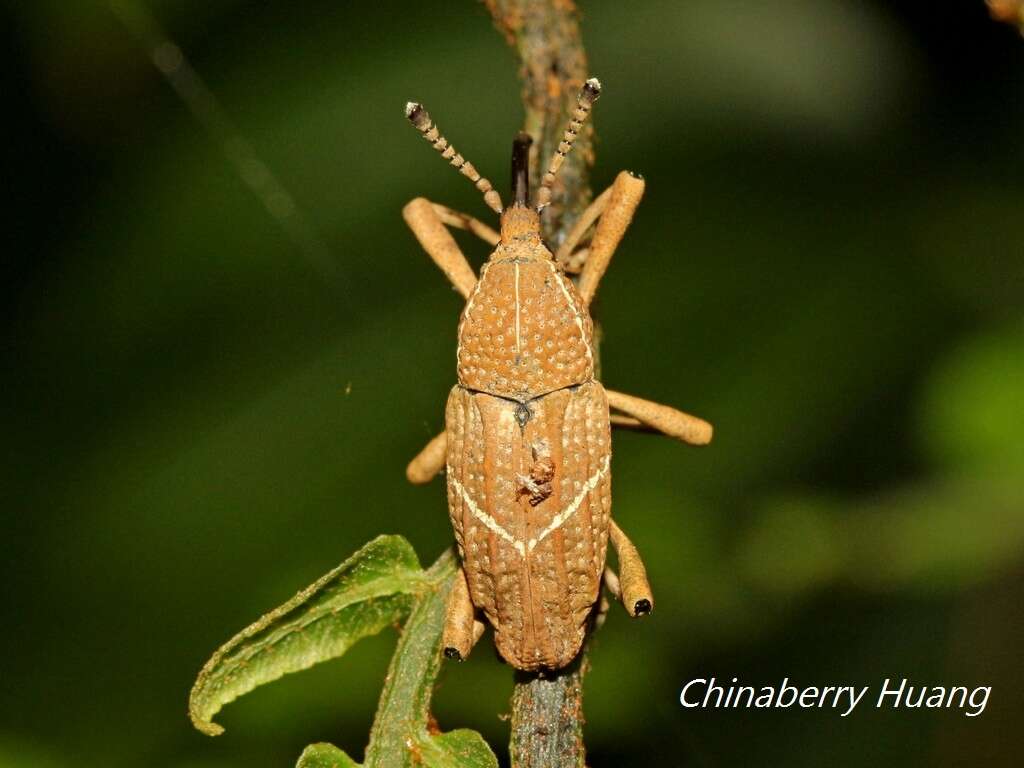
<point x="461" y="630"/>
<point x="633" y="587"/>
<point x="662" y="418"/>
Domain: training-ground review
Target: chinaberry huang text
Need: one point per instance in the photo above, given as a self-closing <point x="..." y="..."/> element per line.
<point x="709" y="693"/>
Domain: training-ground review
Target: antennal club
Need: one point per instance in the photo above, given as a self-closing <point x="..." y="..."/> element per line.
<point x="588" y="95"/>
<point x="420" y="119"/>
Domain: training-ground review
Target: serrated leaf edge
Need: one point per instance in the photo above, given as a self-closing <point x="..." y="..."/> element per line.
<point x="414" y="581"/>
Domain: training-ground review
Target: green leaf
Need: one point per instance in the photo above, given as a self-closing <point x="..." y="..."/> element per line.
<point x="324" y="756"/>
<point x="378" y="586"/>
<point x="400" y="735"/>
<point x="462" y="748"/>
<point x="371" y="590"/>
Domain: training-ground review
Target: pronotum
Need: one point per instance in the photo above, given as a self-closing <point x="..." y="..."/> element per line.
<point x="527" y="440"/>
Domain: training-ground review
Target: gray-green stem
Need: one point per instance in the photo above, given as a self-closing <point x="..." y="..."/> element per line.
<point x="547" y="711"/>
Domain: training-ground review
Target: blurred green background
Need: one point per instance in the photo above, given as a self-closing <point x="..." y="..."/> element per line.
<point x="200" y="419"/>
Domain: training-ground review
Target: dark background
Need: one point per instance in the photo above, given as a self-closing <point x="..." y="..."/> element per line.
<point x="201" y="418"/>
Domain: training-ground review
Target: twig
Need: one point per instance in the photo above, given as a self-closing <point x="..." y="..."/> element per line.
<point x="547" y="711"/>
<point x="553" y="68"/>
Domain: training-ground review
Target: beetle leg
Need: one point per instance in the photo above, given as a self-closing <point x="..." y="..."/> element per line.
<point x="429" y="228"/>
<point x="622" y="421"/>
<point x="611" y="580"/>
<point x="460" y="220"/>
<point x="616" y="206"/>
<point x="602" y="608"/>
<point x="644" y="413"/>
<point x="567" y="255"/>
<point x="634" y="590"/>
<point x="461" y="629"/>
<point x="429" y="461"/>
<point x="625" y="197"/>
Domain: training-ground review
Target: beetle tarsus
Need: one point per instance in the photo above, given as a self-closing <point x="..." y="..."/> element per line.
<point x="460" y="632"/>
<point x="635" y="593"/>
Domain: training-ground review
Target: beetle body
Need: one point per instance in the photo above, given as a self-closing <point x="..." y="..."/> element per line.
<point x="527" y="440"/>
<point x="529" y="447"/>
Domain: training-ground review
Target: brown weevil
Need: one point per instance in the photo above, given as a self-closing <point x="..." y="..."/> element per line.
<point x="527" y="440"/>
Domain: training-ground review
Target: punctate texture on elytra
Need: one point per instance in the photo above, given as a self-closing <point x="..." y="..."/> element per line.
<point x="530" y="506"/>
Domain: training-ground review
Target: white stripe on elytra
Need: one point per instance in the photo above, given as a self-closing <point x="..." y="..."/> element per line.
<point x="465" y="315"/>
<point x="556" y="522"/>
<point x="568" y="512"/>
<point x="579" y="317"/>
<point x="482" y="516"/>
<point x="517" y="309"/>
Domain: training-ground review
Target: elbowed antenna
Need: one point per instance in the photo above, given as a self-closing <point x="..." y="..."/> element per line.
<point x="521" y="169"/>
<point x="588" y="95"/>
<point x="419" y="117"/>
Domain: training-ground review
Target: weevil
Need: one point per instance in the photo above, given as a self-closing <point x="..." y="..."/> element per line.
<point x="526" y="449"/>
